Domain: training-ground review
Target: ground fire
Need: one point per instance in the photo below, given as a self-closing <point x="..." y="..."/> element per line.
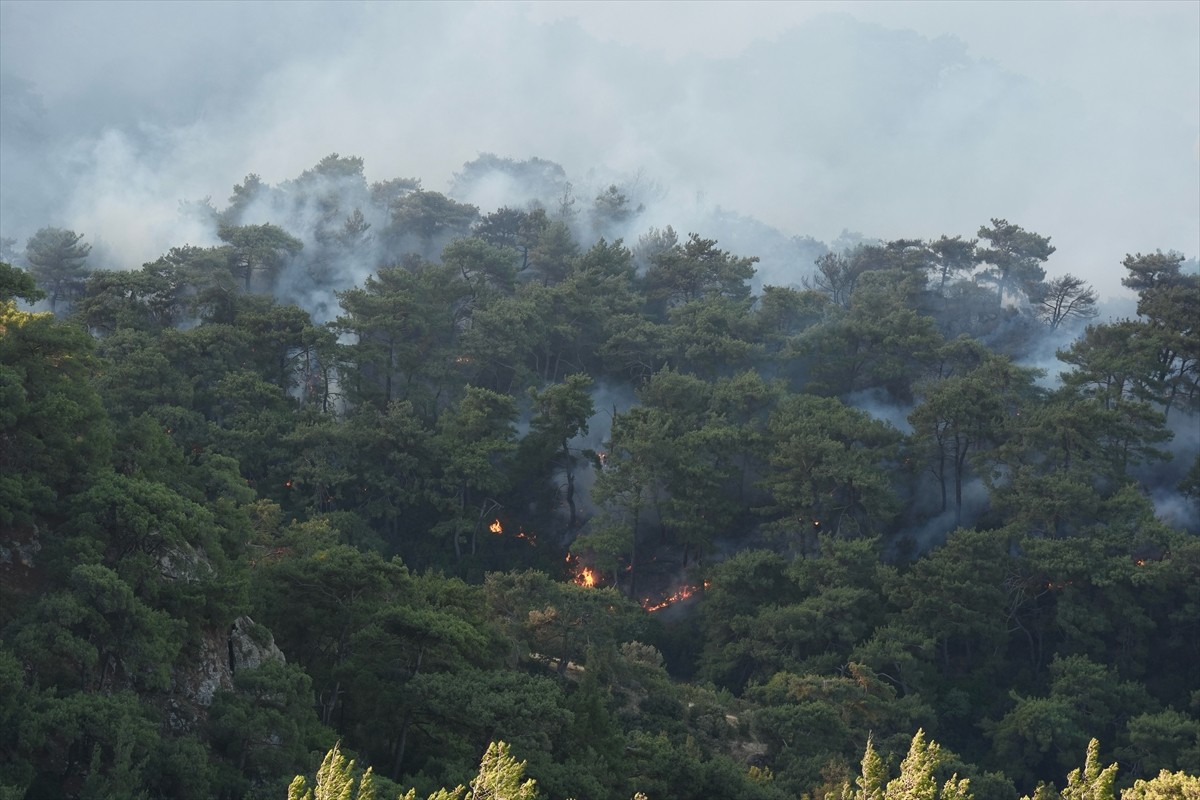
<point x="497" y="528"/>
<point x="683" y="593"/>
<point x="581" y="575"/>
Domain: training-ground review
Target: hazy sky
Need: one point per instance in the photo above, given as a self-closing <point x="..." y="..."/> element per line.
<point x="1077" y="120"/>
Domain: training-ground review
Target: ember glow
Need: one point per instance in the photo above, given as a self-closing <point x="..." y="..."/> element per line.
<point x="683" y="593"/>
<point x="497" y="528"/>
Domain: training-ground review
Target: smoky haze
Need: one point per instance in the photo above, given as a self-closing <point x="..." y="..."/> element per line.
<point x="1079" y="121"/>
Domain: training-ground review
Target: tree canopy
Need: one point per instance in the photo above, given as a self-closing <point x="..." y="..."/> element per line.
<point x="497" y="502"/>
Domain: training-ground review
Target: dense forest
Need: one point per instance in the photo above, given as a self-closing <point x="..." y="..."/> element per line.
<point x="383" y="468"/>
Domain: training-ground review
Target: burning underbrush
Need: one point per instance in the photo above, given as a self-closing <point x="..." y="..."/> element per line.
<point x="497" y="528"/>
<point x="661" y="582"/>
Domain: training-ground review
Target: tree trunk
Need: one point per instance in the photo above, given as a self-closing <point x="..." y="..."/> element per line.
<point x="941" y="473"/>
<point x="960" y="458"/>
<point x="401" y="743"/>
<point x="633" y="556"/>
<point x="570" y="483"/>
<point x="387" y="392"/>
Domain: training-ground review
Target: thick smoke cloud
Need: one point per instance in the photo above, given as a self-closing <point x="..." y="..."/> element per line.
<point x="1080" y="122"/>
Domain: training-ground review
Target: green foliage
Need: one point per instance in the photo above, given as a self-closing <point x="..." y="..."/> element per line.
<point x="56" y="261"/>
<point x="1166" y="786"/>
<point x="151" y="299"/>
<point x="475" y="441"/>
<point x="53" y="429"/>
<point x="964" y="419"/>
<point x="695" y="270"/>
<point x="335" y="781"/>
<point x="265" y="725"/>
<point x="1039" y="733"/>
<point x="881" y="341"/>
<point x="1152" y="270"/>
<point x="828" y="469"/>
<point x="1092" y="782"/>
<point x="404" y="325"/>
<point x="183" y="452"/>
<point x="501" y="776"/>
<point x="1015" y="256"/>
<point x="1163" y="741"/>
<point x="258" y="249"/>
<point x="427" y="220"/>
<point x="17" y="283"/>
<point x="916" y="779"/>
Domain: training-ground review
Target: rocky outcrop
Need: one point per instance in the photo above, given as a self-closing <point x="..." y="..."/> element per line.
<point x="250" y="645"/>
<point x="221" y="654"/>
<point x="19" y="550"/>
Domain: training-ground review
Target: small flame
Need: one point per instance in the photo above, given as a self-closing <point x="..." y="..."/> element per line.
<point x="497" y="528"/>
<point x="683" y="593"/>
<point x="288" y="483"/>
<point x="584" y="576"/>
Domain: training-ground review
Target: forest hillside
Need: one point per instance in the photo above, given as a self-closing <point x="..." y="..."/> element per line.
<point x="386" y="468"/>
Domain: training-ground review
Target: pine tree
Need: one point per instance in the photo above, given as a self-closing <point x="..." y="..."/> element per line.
<point x="1092" y="782"/>
<point x="874" y="774"/>
<point x="335" y="781"/>
<point x="915" y="781"/>
<point x="500" y="777"/>
<point x="1167" y="786"/>
<point x="1089" y="783"/>
<point x="56" y="261"/>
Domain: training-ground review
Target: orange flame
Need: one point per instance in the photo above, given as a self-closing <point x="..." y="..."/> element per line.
<point x="528" y="538"/>
<point x="683" y="593"/>
<point x="584" y="576"/>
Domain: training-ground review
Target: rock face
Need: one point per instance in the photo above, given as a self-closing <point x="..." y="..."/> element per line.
<point x="250" y="645"/>
<point x="221" y="653"/>
<point x="245" y="646"/>
<point x="19" y="570"/>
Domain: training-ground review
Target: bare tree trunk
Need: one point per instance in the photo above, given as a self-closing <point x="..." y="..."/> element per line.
<point x="960" y="458"/>
<point x="570" y="482"/>
<point x="401" y="744"/>
<point x="633" y="556"/>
